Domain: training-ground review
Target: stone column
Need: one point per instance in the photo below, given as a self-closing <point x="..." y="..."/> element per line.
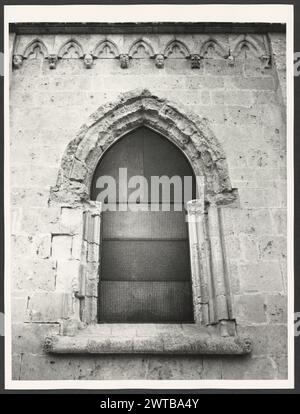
<point x="90" y="259"/>
<point x="218" y="265"/>
<point x="199" y="256"/>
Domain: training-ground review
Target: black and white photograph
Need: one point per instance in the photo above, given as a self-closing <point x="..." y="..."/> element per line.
<point x="148" y="168"/>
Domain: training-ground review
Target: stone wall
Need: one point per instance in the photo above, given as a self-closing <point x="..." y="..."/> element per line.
<point x="241" y="94"/>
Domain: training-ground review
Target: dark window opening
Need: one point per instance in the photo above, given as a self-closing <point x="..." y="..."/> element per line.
<point x="145" y="272"/>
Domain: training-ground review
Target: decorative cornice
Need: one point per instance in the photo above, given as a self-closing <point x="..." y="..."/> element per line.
<point x="141" y="48"/>
<point x="144" y="28"/>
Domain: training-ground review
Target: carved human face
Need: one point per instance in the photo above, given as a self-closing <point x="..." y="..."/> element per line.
<point x="88" y="60"/>
<point x="160" y="61"/>
<point x="124" y="61"/>
<point x="17" y="61"/>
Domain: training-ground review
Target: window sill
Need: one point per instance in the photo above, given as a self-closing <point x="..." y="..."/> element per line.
<point x="148" y="339"/>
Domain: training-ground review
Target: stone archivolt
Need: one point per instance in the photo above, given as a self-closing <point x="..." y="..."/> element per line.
<point x="239" y="47"/>
<point x="133" y="109"/>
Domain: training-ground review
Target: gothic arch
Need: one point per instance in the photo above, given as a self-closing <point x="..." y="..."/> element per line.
<point x="106" y="49"/>
<point x="133" y="109"/>
<point x="67" y="46"/>
<point x="176" y="49"/>
<point x="249" y="43"/>
<point x="32" y="46"/>
<point x="218" y="48"/>
<point x="141" y="44"/>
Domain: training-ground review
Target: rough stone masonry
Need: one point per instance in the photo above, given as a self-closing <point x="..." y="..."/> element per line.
<point x="234" y="80"/>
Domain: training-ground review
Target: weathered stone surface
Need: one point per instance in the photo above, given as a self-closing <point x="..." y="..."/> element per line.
<point x="235" y="111"/>
<point x="61" y="246"/>
<point x="276" y="308"/>
<point x="29" y="337"/>
<point x="49" y="307"/>
<point x="250" y="368"/>
<point x="250" y="309"/>
<point x="31" y="275"/>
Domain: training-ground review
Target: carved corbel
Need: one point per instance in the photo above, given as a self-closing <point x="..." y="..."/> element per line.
<point x="230" y="59"/>
<point x="195" y="61"/>
<point x="265" y="61"/>
<point x="52" y="60"/>
<point x="124" y="60"/>
<point x="159" y="60"/>
<point x="88" y="60"/>
<point x="17" y="61"/>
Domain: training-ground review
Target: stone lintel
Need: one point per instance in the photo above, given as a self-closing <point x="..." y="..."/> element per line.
<point x="174" y="339"/>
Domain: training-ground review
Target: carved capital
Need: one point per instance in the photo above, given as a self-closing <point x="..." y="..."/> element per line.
<point x="195" y="61"/>
<point x="17" y="61"/>
<point x="124" y="60"/>
<point x="195" y="207"/>
<point x="52" y="59"/>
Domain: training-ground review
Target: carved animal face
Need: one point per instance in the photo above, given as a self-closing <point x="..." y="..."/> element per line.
<point x="195" y="61"/>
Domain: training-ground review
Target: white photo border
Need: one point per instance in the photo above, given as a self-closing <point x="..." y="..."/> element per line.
<point x="154" y="13"/>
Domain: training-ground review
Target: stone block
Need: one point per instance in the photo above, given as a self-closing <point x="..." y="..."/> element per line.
<point x="282" y="367"/>
<point x="276" y="308"/>
<point x="43" y="245"/>
<point x="279" y="220"/>
<point x="253" y="83"/>
<point x="121" y="367"/>
<point x="28" y="338"/>
<point x="71" y="220"/>
<point x="272" y="247"/>
<point x="45" y="367"/>
<point x="232" y="98"/>
<point x="19" y="307"/>
<point x="40" y="220"/>
<point x="220" y="67"/>
<point x="261" y="277"/>
<point x="26" y="196"/>
<point x="248" y="221"/>
<point x="16" y="366"/>
<point x="77" y="245"/>
<point x="175" y="368"/>
<point x="35" y="274"/>
<point x="248" y="368"/>
<point x="267" y="340"/>
<point x="253" y="198"/>
<point x="61" y="246"/>
<point x="250" y="309"/>
<point x="67" y="275"/>
<point x="253" y="67"/>
<point x="203" y="82"/>
<point x="31" y="175"/>
<point x="49" y="306"/>
<point x="249" y="247"/>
